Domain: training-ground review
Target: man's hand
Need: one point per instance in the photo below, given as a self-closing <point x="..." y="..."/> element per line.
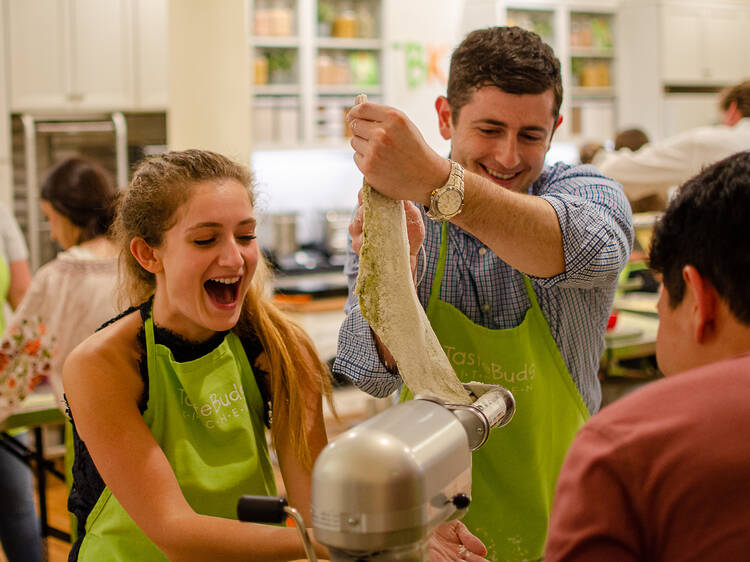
<point x="453" y="541"/>
<point x="414" y="230"/>
<point x="392" y="154"/>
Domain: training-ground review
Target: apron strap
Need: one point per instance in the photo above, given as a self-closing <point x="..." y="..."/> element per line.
<point x="530" y="291"/>
<point x="148" y="330"/>
<point x="438" y="281"/>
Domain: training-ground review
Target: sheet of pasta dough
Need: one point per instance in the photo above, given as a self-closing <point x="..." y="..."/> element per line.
<point x="388" y="301"/>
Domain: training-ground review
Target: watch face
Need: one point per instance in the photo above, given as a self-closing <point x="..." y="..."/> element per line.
<point x="449" y="202"/>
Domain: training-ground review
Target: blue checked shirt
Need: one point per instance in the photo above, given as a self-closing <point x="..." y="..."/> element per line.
<point x="597" y="232"/>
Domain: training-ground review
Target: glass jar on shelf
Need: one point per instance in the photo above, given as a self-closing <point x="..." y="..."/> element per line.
<point x="281" y="65"/>
<point x="345" y="24"/>
<point x="262" y="18"/>
<point x="324" y="67"/>
<point x="260" y="69"/>
<point x="365" y="21"/>
<point x="326" y="17"/>
<point x="281" y="18"/>
<point x="363" y="68"/>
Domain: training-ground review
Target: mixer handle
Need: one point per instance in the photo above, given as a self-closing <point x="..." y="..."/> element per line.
<point x="261" y="509"/>
<point x="272" y="509"/>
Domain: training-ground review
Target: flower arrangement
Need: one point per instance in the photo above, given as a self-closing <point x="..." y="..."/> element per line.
<point x="25" y="362"/>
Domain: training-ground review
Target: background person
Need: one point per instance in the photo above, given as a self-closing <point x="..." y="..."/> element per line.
<point x="632" y="139"/>
<point x="658" y="167"/>
<point x="661" y="474"/>
<point x="74" y="294"/>
<point x="20" y="530"/>
<point x="522" y="278"/>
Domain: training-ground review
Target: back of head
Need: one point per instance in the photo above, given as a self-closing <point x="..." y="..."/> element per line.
<point x="161" y="184"/>
<point x="84" y="193"/>
<point x="630" y="138"/>
<point x="739" y="94"/>
<point x="705" y="226"/>
<point x="510" y="58"/>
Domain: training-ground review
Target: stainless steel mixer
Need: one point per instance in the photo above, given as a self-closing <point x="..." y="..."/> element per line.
<point x="381" y="488"/>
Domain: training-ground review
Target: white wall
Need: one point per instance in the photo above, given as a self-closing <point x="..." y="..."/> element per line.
<point x="6" y="181"/>
<point x="434" y="26"/>
<point x="209" y="86"/>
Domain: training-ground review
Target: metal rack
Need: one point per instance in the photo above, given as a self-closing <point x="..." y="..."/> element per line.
<point x="56" y="124"/>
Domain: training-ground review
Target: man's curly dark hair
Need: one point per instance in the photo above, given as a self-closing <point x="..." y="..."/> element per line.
<point x="706" y="226"/>
<point x="512" y="59"/>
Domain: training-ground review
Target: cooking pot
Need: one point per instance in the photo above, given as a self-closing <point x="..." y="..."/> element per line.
<point x="284" y="227"/>
<point x="336" y="231"/>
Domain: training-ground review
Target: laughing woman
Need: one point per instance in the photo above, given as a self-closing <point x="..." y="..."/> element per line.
<point x="169" y="400"/>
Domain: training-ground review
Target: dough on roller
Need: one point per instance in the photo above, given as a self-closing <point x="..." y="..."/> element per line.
<point x="388" y="301"/>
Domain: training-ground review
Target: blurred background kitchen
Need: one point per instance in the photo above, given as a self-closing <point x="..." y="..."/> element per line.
<point x="94" y="77"/>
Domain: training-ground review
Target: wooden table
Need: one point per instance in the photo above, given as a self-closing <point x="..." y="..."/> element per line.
<point x="37" y="410"/>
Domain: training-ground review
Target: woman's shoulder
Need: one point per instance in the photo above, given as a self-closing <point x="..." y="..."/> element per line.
<point x="111" y="351"/>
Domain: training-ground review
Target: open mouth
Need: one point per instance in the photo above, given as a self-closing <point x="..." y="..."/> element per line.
<point x="223" y="290"/>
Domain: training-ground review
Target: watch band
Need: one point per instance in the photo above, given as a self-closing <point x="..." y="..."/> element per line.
<point x="453" y="191"/>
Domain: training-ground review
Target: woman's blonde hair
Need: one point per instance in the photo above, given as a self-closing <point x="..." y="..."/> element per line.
<point x="160" y="186"/>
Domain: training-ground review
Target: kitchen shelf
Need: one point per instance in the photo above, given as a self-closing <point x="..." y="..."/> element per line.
<point x="335" y="53"/>
<point x="591" y="52"/>
<point x="349" y="44"/>
<point x="537" y="19"/>
<point x="603" y="92"/>
<point x="270" y="90"/>
<point x="349" y="90"/>
<point x="272" y="41"/>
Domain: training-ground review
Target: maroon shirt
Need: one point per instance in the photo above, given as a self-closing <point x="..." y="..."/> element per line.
<point x="661" y="474"/>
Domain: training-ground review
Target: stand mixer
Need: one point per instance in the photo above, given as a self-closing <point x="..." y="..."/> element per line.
<point x="381" y="488"/>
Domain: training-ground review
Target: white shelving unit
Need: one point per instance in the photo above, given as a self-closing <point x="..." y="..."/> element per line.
<point x="582" y="35"/>
<point x="310" y="59"/>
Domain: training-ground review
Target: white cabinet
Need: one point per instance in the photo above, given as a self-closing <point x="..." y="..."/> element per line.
<point x="703" y="44"/>
<point x="81" y="54"/>
<point x="674" y="58"/>
<point x="151" y="44"/>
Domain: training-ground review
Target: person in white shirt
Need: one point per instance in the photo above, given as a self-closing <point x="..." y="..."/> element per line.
<point x="74" y="294"/>
<point x="658" y="167"/>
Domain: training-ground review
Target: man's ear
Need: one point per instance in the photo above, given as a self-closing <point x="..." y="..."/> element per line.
<point x="145" y="255"/>
<point x="732" y="115"/>
<point x="704" y="301"/>
<point x="445" y="117"/>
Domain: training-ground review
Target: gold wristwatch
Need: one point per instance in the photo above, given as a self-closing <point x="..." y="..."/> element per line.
<point x="447" y="201"/>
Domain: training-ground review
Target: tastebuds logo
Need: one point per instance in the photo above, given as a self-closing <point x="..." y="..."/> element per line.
<point x="472" y="366"/>
<point x="218" y="409"/>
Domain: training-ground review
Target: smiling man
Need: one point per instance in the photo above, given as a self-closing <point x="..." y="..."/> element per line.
<point x="521" y="263"/>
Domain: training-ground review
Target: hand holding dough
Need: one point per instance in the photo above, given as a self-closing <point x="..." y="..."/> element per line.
<point x="388" y="301"/>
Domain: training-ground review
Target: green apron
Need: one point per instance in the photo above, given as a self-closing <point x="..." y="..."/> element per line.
<point x="514" y="473"/>
<point x="4" y="288"/>
<point x="207" y="416"/>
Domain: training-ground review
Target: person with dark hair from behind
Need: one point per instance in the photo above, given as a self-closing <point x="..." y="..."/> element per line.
<point x="74" y="294"/>
<point x="655" y="169"/>
<point x="662" y="474"/>
<point x="632" y="139"/>
<point x="522" y="276"/>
